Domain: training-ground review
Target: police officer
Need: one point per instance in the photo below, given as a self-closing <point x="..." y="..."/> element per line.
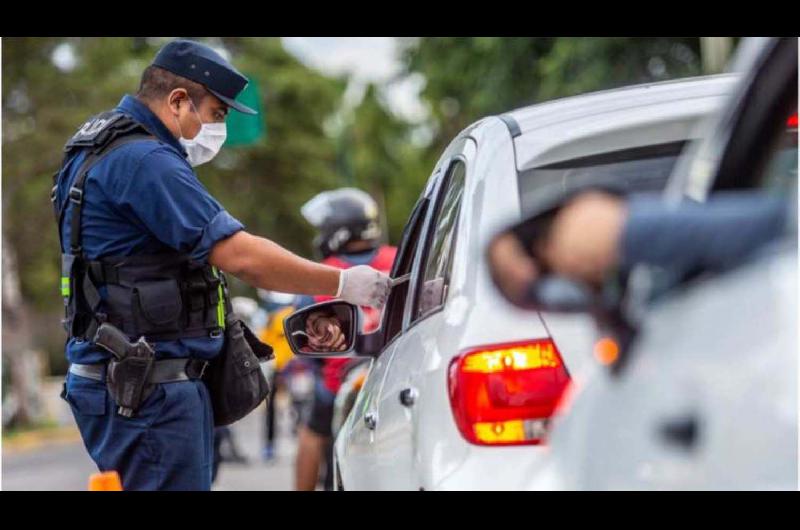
<point x="143" y="244"/>
<point x="349" y="235"/>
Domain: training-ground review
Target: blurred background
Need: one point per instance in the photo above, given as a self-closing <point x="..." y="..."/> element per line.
<point x="374" y="113"/>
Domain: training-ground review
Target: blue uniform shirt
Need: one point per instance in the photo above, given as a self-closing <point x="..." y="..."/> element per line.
<point x="144" y="198"/>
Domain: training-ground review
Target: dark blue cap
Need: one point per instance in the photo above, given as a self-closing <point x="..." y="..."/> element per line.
<point x="203" y="65"/>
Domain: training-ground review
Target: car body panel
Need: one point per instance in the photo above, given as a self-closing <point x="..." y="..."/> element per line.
<point x="683" y="432"/>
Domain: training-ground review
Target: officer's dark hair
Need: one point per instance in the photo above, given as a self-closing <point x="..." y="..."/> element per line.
<point x="157" y="83"/>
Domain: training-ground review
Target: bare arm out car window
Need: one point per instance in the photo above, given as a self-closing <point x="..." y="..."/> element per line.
<point x="441" y="244"/>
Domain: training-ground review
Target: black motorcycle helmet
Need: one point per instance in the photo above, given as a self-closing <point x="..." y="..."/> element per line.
<point x="341" y="216"/>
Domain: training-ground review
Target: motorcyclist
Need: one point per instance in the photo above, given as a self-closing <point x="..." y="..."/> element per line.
<point x="349" y="234"/>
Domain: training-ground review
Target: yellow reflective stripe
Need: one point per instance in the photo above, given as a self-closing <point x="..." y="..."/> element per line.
<point x="65" y="286"/>
<point x="220" y="303"/>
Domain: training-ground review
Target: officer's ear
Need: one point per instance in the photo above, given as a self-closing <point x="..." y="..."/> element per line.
<point x="176" y="99"/>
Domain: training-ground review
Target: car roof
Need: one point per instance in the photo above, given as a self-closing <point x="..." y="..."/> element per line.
<point x="610" y="120"/>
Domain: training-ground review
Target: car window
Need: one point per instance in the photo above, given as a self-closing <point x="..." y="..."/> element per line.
<point x="392" y="321"/>
<point x="780" y="171"/>
<point x="759" y="127"/>
<point x="640" y="169"/>
<point x="437" y="260"/>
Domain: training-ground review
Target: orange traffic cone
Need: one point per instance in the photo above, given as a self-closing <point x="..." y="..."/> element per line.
<point x="108" y="481"/>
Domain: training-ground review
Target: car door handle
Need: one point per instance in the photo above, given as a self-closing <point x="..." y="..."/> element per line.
<point x="682" y="431"/>
<point x="371" y="420"/>
<point x="408" y="396"/>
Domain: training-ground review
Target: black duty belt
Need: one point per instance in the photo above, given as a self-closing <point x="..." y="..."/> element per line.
<point x="164" y="371"/>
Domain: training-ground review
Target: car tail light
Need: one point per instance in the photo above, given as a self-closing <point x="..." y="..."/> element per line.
<point x="505" y="393"/>
<point x="792" y="121"/>
<point x="564" y="404"/>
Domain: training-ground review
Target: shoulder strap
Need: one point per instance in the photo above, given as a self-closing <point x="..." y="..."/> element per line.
<point x="75" y="195"/>
<point x="100" y="134"/>
<point x="93" y="133"/>
<point x="98" y="130"/>
<point x="54" y="191"/>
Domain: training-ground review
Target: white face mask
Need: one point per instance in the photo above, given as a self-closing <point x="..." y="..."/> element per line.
<point x="206" y="144"/>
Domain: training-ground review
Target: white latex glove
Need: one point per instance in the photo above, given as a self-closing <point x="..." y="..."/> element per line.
<point x="363" y="285"/>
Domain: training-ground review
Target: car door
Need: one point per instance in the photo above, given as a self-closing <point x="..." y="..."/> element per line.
<point x="727" y="383"/>
<point x="397" y="404"/>
<point x="359" y="460"/>
<point x="695" y="388"/>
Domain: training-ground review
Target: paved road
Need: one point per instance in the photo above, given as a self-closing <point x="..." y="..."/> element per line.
<point x="66" y="466"/>
<point x="257" y="474"/>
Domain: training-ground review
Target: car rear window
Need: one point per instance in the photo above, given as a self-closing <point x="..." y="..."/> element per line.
<point x="638" y="169"/>
<point x="780" y="176"/>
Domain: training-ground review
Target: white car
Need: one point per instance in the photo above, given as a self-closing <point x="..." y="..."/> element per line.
<point x="462" y="384"/>
<point x="707" y="396"/>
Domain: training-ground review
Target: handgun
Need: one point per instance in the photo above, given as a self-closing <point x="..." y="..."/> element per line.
<point x="130" y="371"/>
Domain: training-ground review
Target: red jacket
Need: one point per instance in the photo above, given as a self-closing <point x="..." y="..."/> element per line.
<point x="332" y="369"/>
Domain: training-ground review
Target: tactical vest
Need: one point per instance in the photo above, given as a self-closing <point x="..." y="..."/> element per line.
<point x="163" y="296"/>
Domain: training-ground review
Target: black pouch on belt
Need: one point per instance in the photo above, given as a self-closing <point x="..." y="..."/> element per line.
<point x="234" y="378"/>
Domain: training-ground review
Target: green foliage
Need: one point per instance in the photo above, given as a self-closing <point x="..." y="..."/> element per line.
<point x="265" y="184"/>
<point x="376" y="156"/>
<point x="469" y="78"/>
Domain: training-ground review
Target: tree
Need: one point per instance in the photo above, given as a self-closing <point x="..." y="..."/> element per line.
<point x="469" y="78"/>
<point x="378" y="157"/>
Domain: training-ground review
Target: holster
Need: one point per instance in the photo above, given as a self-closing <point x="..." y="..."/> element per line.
<point x="127" y="382"/>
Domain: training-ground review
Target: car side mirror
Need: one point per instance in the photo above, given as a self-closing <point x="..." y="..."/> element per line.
<point x="560" y="295"/>
<point x="329" y="329"/>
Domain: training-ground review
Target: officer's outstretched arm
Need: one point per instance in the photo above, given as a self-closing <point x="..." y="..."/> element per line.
<point x="262" y="263"/>
<point x="265" y="264"/>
